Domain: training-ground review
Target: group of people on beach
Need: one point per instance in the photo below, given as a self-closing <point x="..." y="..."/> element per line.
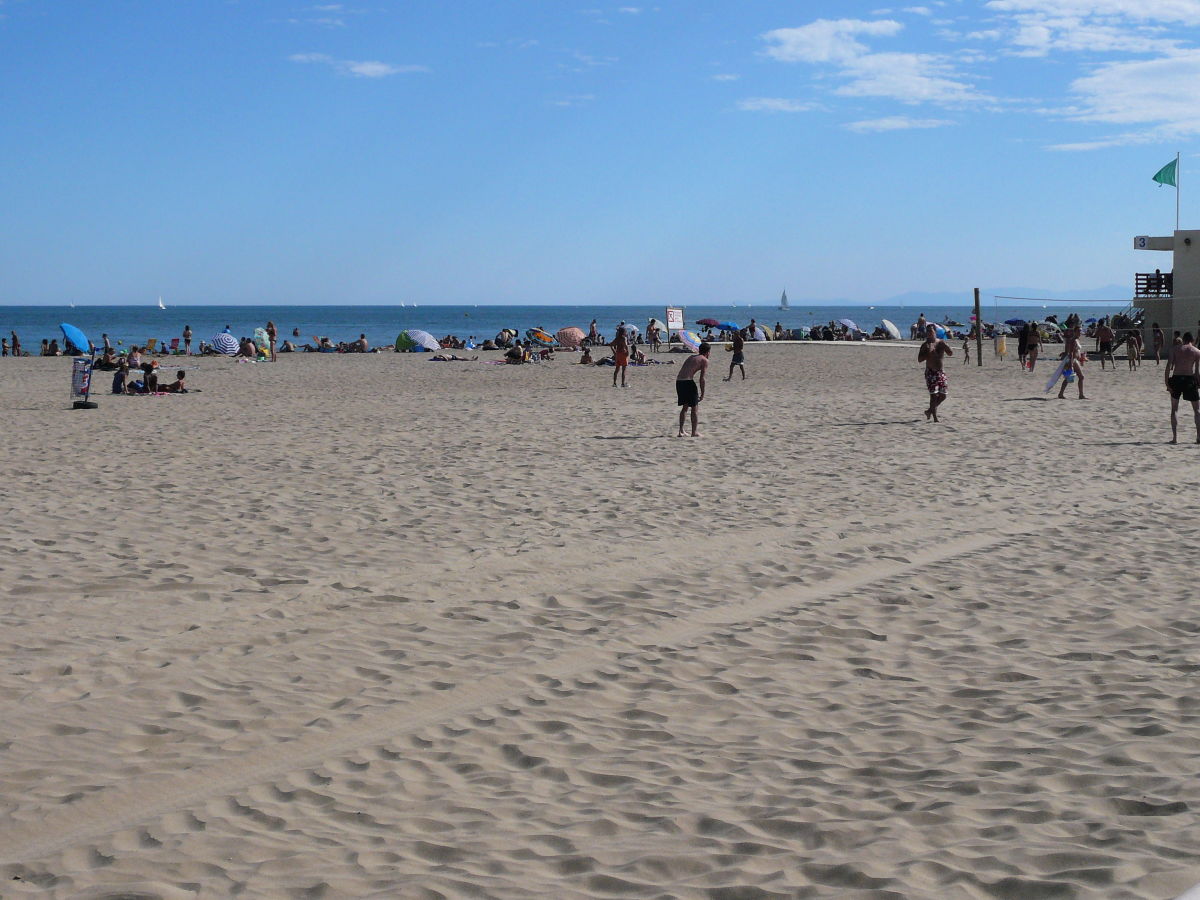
<point x="1181" y="376"/>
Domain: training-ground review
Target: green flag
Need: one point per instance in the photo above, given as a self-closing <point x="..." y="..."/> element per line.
<point x="1166" y="175"/>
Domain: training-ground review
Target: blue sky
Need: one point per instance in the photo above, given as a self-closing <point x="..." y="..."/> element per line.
<point x="542" y="151"/>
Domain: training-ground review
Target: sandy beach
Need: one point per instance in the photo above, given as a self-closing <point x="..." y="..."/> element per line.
<point x="374" y="626"/>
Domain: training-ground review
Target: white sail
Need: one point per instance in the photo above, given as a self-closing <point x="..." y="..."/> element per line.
<point x="783" y="304"/>
<point x="160" y="303"/>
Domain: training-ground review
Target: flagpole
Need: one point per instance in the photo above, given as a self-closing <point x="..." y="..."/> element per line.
<point x="1176" y="190"/>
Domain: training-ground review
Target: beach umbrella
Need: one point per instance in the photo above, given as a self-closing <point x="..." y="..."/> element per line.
<point x="539" y="337"/>
<point x="759" y="335"/>
<point x="728" y="326"/>
<point x="709" y="323"/>
<point x="891" y="329"/>
<point x="849" y="323"/>
<point x="570" y="337"/>
<point x="423" y="339"/>
<point x="1089" y="321"/>
<point x="224" y="342"/>
<point x="690" y="340"/>
<point x="73" y="335"/>
<point x="261" y="341"/>
<point x="1016" y="323"/>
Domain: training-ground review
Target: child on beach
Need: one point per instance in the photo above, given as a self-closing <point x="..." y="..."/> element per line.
<point x="966" y="351"/>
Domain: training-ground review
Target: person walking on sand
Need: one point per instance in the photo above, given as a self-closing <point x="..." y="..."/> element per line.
<point x="688" y="392"/>
<point x="1159" y="339"/>
<point x="620" y="351"/>
<point x="271" y="336"/>
<point x="187" y="340"/>
<point x="16" y="345"/>
<point x="739" y="356"/>
<point x="967" y="350"/>
<point x="1104" y="343"/>
<point x="1180" y="375"/>
<point x="1073" y="370"/>
<point x="932" y="352"/>
<point x="1033" y="345"/>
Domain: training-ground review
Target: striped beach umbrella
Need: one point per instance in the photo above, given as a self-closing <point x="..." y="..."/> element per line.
<point x="570" y="337"/>
<point x="423" y="339"/>
<point x="690" y="340"/>
<point x="224" y="342"/>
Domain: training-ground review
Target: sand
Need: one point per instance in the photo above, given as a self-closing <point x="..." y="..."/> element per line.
<point x="380" y="627"/>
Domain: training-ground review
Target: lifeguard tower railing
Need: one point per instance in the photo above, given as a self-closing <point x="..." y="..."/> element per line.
<point x="1153" y="284"/>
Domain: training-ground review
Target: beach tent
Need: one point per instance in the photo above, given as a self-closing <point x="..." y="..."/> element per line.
<point x="422" y="340"/>
<point x="570" y="337"/>
<point x="224" y="342"/>
<point x="404" y="343"/>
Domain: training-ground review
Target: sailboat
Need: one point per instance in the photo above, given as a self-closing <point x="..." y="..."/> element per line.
<point x="783" y="304"/>
<point x="160" y="303"/>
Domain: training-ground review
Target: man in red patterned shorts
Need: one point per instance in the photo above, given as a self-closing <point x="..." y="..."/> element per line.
<point x="932" y="352"/>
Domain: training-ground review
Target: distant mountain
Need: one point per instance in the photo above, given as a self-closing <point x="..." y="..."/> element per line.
<point x="1111" y="292"/>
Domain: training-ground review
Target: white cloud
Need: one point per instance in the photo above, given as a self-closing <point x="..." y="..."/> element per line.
<point x="357" y="68"/>
<point x="908" y="77"/>
<point x="826" y="40"/>
<point x="774" y="104"/>
<point x="918" y="10"/>
<point x="1156" y="91"/>
<point x="630" y="10"/>
<point x="895" y="123"/>
<point x="726" y="76"/>
<point x="575" y="100"/>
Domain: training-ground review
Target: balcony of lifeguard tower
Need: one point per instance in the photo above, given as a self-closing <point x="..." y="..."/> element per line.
<point x="1153" y="284"/>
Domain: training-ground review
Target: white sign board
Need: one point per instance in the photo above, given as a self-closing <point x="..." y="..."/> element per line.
<point x="674" y="318"/>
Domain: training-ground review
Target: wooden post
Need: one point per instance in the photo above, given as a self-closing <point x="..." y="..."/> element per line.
<point x="978" y="332"/>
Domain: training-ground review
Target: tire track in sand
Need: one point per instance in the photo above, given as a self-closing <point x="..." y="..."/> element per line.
<point x="129" y="805"/>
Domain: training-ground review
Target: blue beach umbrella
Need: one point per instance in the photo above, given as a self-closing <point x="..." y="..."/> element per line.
<point x="849" y="323"/>
<point x="1016" y="323"/>
<point x="226" y="343"/>
<point x="728" y="326"/>
<point x="74" y="336"/>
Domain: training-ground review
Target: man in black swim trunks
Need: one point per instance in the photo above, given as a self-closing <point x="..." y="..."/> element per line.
<point x="689" y="393"/>
<point x="739" y="357"/>
<point x="1104" y="343"/>
<point x="1183" y="367"/>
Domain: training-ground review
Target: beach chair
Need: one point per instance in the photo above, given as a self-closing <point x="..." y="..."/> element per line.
<point x="174" y="345"/>
<point x="150" y="342"/>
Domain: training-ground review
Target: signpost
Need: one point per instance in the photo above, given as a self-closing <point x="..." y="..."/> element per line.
<point x="674" y="322"/>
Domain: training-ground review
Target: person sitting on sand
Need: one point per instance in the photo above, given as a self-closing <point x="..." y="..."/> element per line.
<point x="586" y="359"/>
<point x="515" y="356"/>
<point x="120" y="377"/>
<point x="360" y="346"/>
<point x="177" y="386"/>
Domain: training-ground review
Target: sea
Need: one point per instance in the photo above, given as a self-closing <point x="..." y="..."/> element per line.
<point x="127" y="325"/>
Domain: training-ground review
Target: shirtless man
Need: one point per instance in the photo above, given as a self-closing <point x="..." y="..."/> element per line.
<point x="689" y="393"/>
<point x="739" y="357"/>
<point x="620" y="349"/>
<point x="1074" y="366"/>
<point x="932" y="352"/>
<point x="1104" y="344"/>
<point x="1184" y="362"/>
<point x="1159" y="339"/>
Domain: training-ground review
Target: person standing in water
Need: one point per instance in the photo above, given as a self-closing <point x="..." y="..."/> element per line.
<point x="1180" y="375"/>
<point x="932" y="352"/>
<point x="688" y="392"/>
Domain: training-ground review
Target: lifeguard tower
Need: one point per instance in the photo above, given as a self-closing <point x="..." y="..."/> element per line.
<point x="1171" y="298"/>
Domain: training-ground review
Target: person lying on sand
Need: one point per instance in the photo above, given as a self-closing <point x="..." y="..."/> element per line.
<point x="451" y="357"/>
